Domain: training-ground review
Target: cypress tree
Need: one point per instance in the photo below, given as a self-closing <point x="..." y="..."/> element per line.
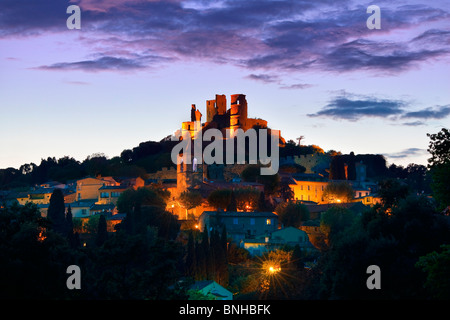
<point x="222" y="259"/>
<point x="72" y="237"/>
<point x="261" y="206"/>
<point x="209" y="268"/>
<point x="297" y="257"/>
<point x="69" y="221"/>
<point x="232" y="206"/>
<point x="214" y="245"/>
<point x="224" y="242"/>
<point x="191" y="257"/>
<point x="200" y="265"/>
<point x="102" y="232"/>
<point x="56" y="212"/>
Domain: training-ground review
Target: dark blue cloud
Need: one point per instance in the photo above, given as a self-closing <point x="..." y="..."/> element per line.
<point x="413" y="124"/>
<point x="349" y="108"/>
<point x="438" y="112"/>
<point x="357" y="55"/>
<point x="297" y="86"/>
<point x="410" y="152"/>
<point x="266" y="78"/>
<point x="104" y="63"/>
<point x="355" y="107"/>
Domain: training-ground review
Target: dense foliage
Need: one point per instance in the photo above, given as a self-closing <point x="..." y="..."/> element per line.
<point x="141" y="260"/>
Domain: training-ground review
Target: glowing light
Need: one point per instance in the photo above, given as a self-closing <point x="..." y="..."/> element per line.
<point x="273" y="269"/>
<point x="338" y="200"/>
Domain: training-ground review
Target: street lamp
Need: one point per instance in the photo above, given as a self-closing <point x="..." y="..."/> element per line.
<point x="274" y="269"/>
<point x="271" y="268"/>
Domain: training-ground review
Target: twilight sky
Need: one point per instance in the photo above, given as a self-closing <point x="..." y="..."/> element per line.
<point x="310" y="68"/>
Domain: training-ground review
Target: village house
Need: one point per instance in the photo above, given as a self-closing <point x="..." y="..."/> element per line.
<point x="81" y="208"/>
<point x="110" y="194"/>
<point x="308" y="187"/>
<point x="41" y="195"/>
<point x="286" y="236"/>
<point x="87" y="188"/>
<point x="212" y="289"/>
<point x="239" y="225"/>
<point x="368" y="200"/>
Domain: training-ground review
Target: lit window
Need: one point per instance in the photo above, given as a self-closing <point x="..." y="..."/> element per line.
<point x="269" y="221"/>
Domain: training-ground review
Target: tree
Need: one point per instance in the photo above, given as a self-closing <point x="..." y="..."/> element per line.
<point x="392" y="191"/>
<point x="209" y="262"/>
<point x="252" y="173"/>
<point x="132" y="198"/>
<point x="285" y="191"/>
<point x="437" y="268"/>
<point x="92" y="224"/>
<point x="338" y="192"/>
<point x="134" y="267"/>
<point x="261" y="205"/>
<point x="72" y="236"/>
<point x="33" y="261"/>
<point x="337" y="168"/>
<point x="69" y="221"/>
<point x="440" y="184"/>
<point x="336" y="220"/>
<point x="102" y="232"/>
<point x="439" y="163"/>
<point x="292" y="214"/>
<point x="218" y="247"/>
<point x="246" y="198"/>
<point x="393" y="241"/>
<point x="297" y="257"/>
<point x="190" y="200"/>
<point x="439" y="147"/>
<point x="56" y="212"/>
<point x="190" y="256"/>
<point x="232" y="206"/>
<point x="220" y="198"/>
<point x="141" y="219"/>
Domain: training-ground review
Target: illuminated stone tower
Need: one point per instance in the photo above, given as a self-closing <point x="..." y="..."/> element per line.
<point x="238" y="112"/>
<point x="189" y="175"/>
<point x="216" y="107"/>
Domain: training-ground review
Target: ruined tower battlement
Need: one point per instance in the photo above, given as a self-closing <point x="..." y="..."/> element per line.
<point x="216" y="107"/>
<point x="218" y="116"/>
